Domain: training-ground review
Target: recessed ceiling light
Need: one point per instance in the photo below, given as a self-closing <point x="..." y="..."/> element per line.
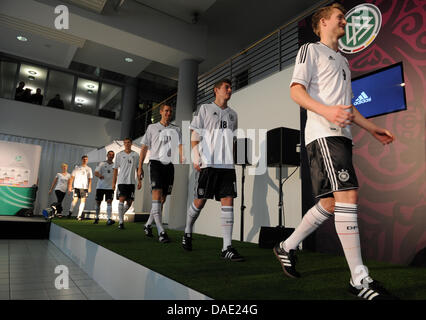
<point x="90" y="86"/>
<point x="79" y="105"/>
<point x="32" y="72"/>
<point x="22" y="38"/>
<point x="128" y="59"/>
<point x="89" y="91"/>
<point x="31" y="78"/>
<point x="79" y="100"/>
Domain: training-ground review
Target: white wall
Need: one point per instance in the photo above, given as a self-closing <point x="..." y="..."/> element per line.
<point x="34" y="121"/>
<point x="262" y="105"/>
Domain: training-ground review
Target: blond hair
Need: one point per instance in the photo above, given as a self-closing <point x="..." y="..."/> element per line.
<point x="324" y="12"/>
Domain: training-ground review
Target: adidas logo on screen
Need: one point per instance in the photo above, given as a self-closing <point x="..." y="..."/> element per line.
<point x="363" y="98"/>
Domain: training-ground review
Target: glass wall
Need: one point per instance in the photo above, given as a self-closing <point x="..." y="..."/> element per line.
<point x="59" y="90"/>
<point x="110" y="101"/>
<point x="7" y="80"/>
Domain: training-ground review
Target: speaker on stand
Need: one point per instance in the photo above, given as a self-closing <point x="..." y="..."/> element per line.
<point x="283" y="149"/>
<point x="242" y="157"/>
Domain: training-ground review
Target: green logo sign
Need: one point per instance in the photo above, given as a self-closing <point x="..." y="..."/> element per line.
<point x="18" y="158"/>
<point x="363" y="25"/>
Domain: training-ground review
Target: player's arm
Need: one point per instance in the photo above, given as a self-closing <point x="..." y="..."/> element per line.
<point x="195" y="140"/>
<point x="142" y="155"/>
<point x="90" y="184"/>
<point x="114" y="178"/>
<point x="339" y="114"/>
<point x="70" y="181"/>
<point x="138" y="176"/>
<point x="181" y="158"/>
<point x="98" y="174"/>
<point x="382" y="135"/>
<point x="53" y="184"/>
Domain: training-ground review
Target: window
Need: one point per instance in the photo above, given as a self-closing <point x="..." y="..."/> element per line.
<point x="7" y="80"/>
<point x="59" y="88"/>
<point x="110" y="101"/>
<point x="34" y="78"/>
<point x="86" y="96"/>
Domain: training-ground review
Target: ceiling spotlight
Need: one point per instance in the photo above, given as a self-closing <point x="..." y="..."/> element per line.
<point x="79" y="105"/>
<point x="32" y="72"/>
<point x="79" y="100"/>
<point x="128" y="59"/>
<point x="89" y="91"/>
<point x="22" y="38"/>
<point x="90" y="86"/>
<point x="31" y="78"/>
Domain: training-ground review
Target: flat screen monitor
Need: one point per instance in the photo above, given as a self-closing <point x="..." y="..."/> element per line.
<point x="380" y="92"/>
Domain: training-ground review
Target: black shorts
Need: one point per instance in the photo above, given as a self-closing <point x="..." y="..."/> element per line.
<point x="214" y="182"/>
<point x="80" y="193"/>
<point x="127" y="191"/>
<point x="108" y="193"/>
<point x="330" y="163"/>
<point x="161" y="176"/>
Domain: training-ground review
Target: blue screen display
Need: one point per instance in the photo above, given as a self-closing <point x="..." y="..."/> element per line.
<point x="380" y="92"/>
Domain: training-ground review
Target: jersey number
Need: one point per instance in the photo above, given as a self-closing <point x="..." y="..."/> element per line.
<point x="223" y="125"/>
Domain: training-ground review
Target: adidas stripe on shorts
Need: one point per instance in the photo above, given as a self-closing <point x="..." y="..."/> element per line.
<point x="330" y="163"/>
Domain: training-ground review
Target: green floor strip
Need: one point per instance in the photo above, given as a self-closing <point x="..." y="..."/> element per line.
<point x="260" y="277"/>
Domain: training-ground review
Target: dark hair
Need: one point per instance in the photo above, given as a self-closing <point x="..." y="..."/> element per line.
<point x="110" y="151"/>
<point x="219" y="83"/>
<point x="324" y="12"/>
<point x="84" y="156"/>
<point x="164" y="105"/>
<point x="127" y="139"/>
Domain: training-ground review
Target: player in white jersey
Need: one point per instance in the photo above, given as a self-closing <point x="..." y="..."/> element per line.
<point x="164" y="142"/>
<point x="81" y="177"/>
<point x="321" y="84"/>
<point x="60" y="183"/>
<point x="213" y="131"/>
<point x="127" y="161"/>
<point x="104" y="171"/>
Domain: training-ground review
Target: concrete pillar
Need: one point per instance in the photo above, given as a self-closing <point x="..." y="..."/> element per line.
<point x="175" y="211"/>
<point x="128" y="111"/>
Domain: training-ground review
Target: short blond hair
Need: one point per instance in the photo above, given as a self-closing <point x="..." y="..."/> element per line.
<point x="64" y="164"/>
<point x="324" y="12"/>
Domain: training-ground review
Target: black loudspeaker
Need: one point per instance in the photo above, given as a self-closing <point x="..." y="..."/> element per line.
<point x="270" y="236"/>
<point x="242" y="151"/>
<point x="283" y="147"/>
<point x="420" y="259"/>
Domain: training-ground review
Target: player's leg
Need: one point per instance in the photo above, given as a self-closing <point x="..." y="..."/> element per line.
<point x="75" y="197"/>
<point x="99" y="198"/>
<point x="109" y="210"/>
<point x="83" y="197"/>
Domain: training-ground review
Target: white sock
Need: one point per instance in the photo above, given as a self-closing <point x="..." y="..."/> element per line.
<point x="81" y="209"/>
<point x="98" y="208"/>
<point x="191" y="217"/>
<point x="156" y="214"/>
<point x="310" y="222"/>
<point x="126" y="207"/>
<point x="346" y="222"/>
<point x="227" y="217"/>
<point x="109" y="210"/>
<point x="72" y="207"/>
<point x="121" y="212"/>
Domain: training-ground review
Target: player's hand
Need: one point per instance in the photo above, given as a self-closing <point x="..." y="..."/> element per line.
<point x="101" y="177"/>
<point x="197" y="166"/>
<point x="340" y="115"/>
<point x="140" y="173"/>
<point x="383" y="135"/>
<point x="50" y="191"/>
<point x="139" y="185"/>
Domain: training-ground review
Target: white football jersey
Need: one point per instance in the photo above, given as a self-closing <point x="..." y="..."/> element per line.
<point x="106" y="170"/>
<point x="81" y="175"/>
<point x="163" y="142"/>
<point x="216" y="127"/>
<point x="326" y="76"/>
<point x="127" y="164"/>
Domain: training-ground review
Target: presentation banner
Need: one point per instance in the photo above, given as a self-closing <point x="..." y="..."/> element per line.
<point x="19" y="165"/>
